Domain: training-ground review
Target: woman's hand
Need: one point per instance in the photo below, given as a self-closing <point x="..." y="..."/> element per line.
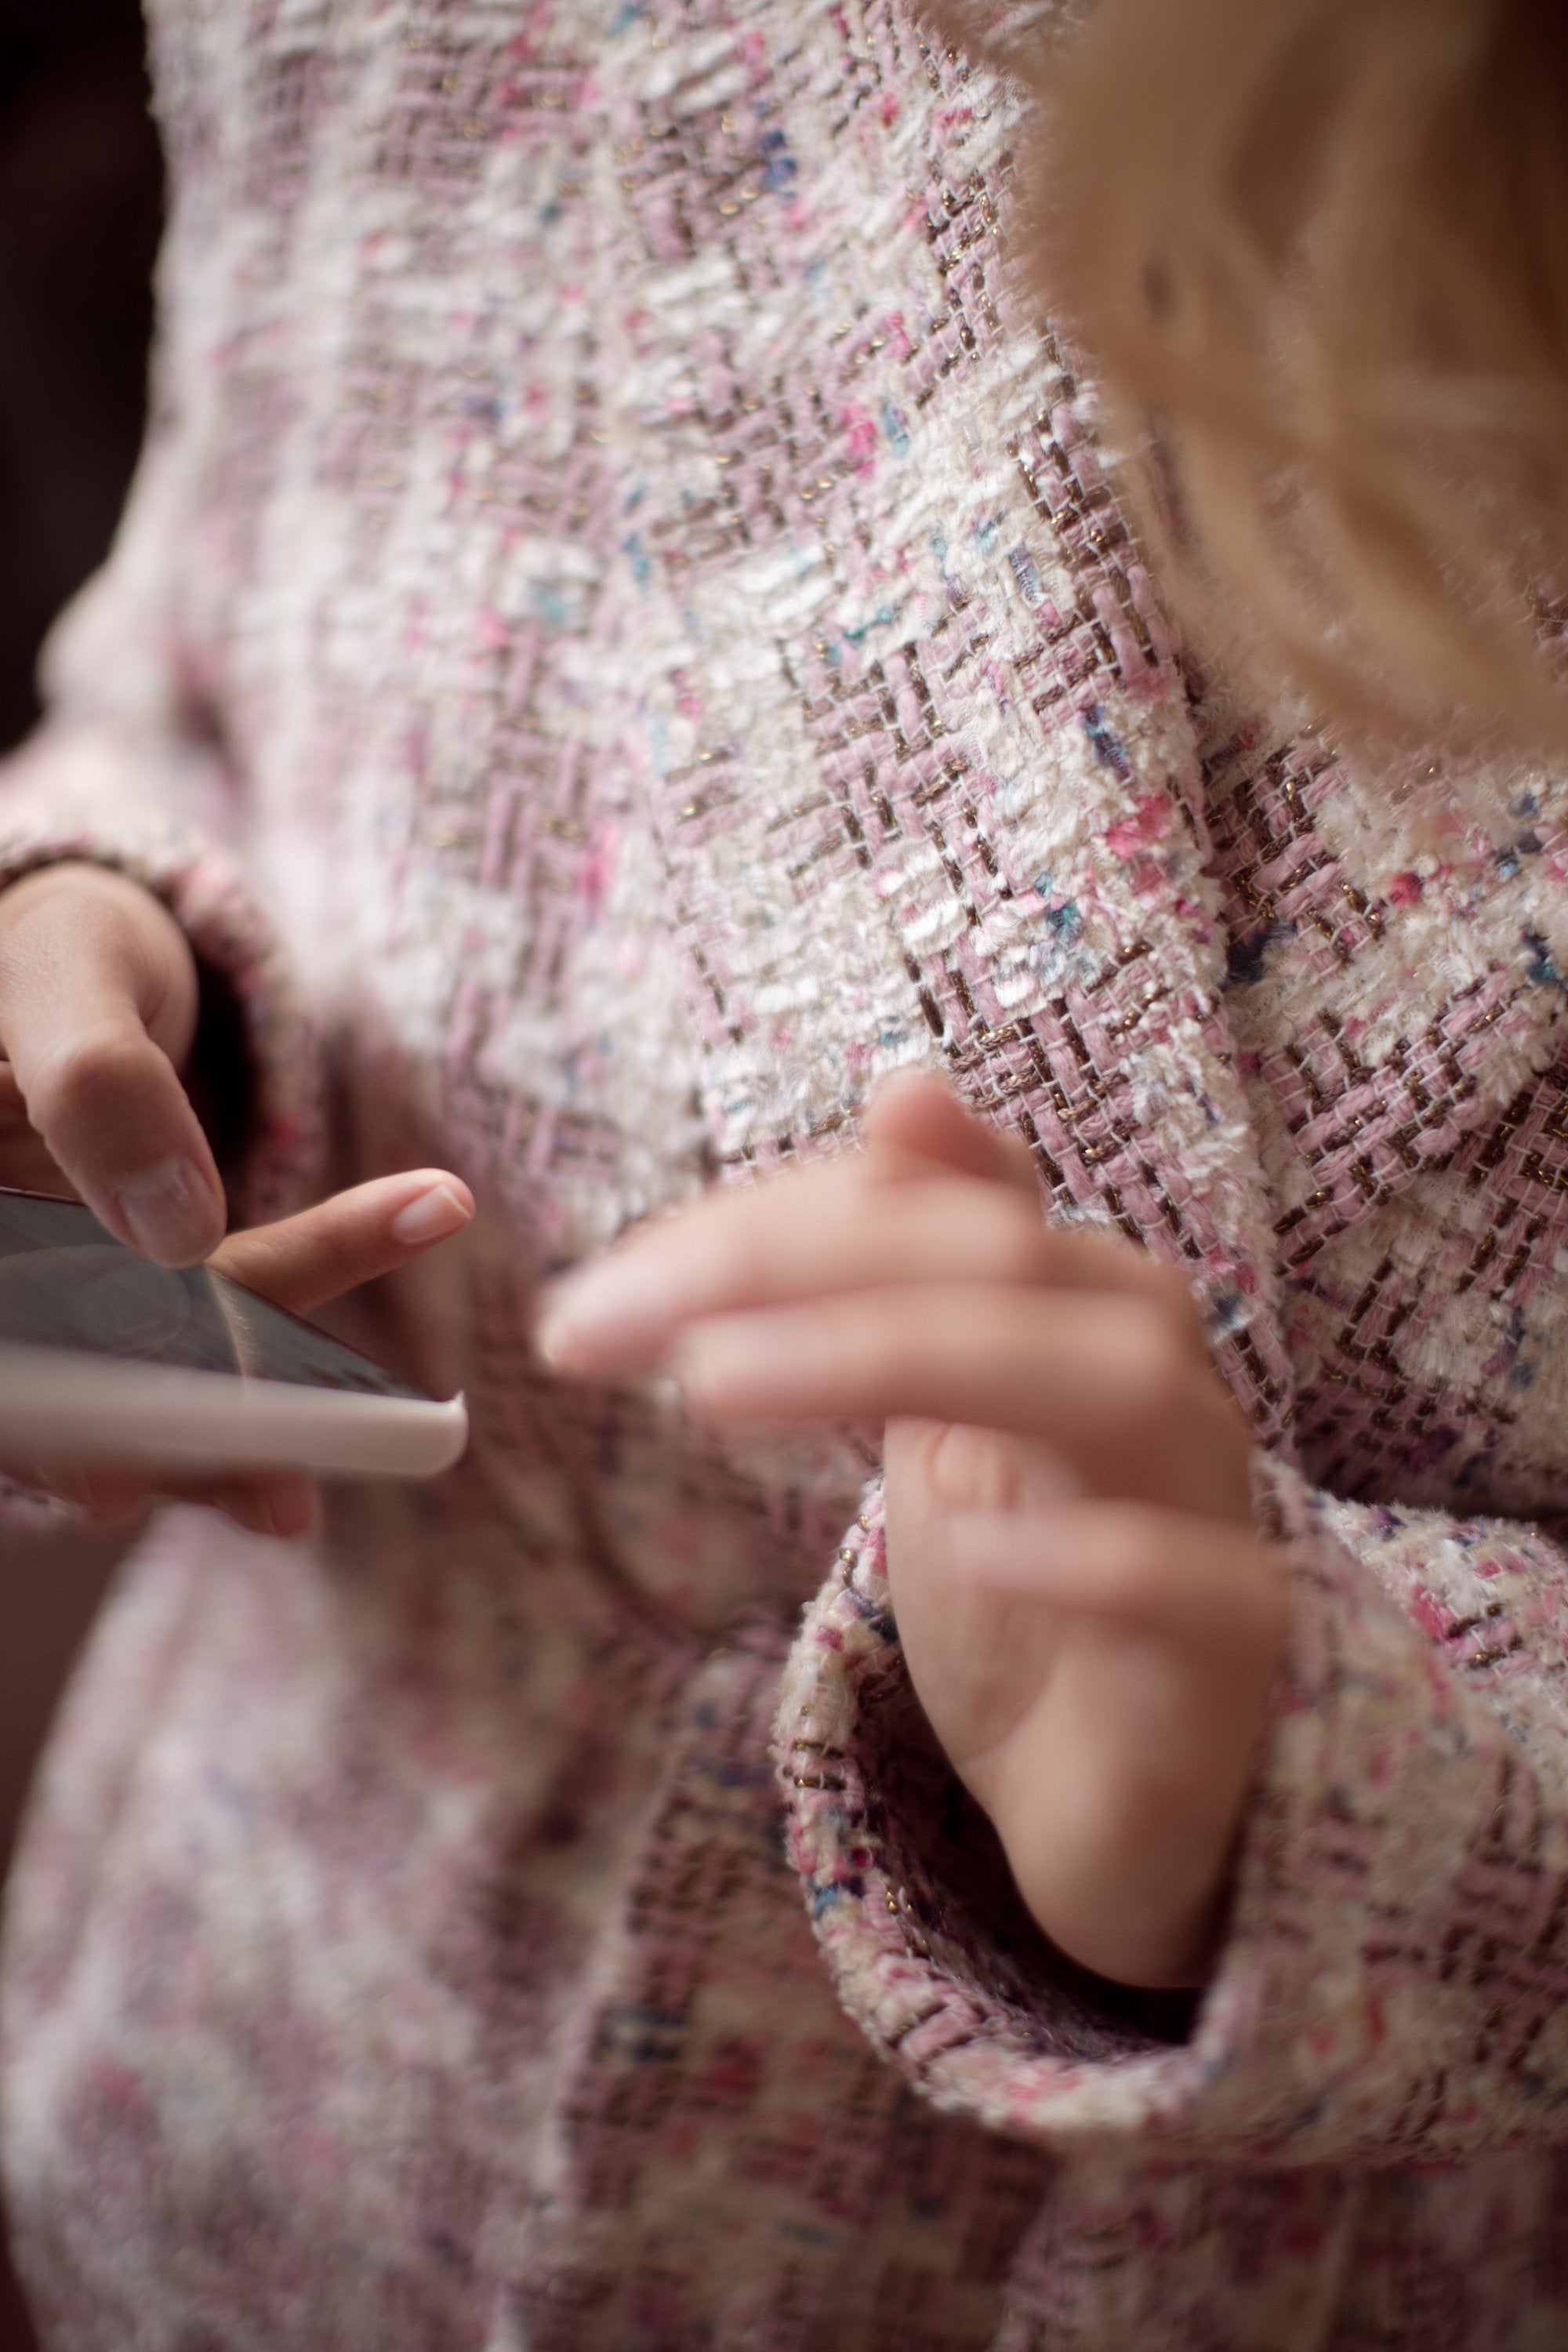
<point x="1089" y="1621"/>
<point x="98" y="1011"/>
<point x="300" y="1263"/>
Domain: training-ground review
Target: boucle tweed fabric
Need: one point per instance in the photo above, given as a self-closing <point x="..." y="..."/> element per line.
<point x="621" y="639"/>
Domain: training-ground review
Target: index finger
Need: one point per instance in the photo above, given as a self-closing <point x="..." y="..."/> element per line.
<point x="824" y="1232"/>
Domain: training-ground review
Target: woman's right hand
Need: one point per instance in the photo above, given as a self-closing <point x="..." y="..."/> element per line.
<point x="98" y="997"/>
<point x="97" y="1010"/>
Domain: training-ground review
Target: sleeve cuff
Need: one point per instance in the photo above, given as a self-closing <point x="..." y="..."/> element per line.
<point x="70" y="799"/>
<point x="1394" y="1946"/>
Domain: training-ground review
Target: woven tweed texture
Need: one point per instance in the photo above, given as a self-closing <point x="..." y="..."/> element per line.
<point x="623" y="636"/>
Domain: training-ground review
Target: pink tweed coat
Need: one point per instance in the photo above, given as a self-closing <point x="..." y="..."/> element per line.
<point x="622" y="638"/>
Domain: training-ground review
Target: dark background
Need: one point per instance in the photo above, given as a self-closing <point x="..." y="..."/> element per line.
<point x="80" y="199"/>
<point x="80" y="192"/>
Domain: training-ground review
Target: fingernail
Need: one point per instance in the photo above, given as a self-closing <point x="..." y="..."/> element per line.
<point x="170" y="1211"/>
<point x="430" y="1217"/>
<point x="612" y="1317"/>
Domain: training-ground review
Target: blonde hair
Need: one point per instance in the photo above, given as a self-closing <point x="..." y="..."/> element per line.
<point x="1317" y="252"/>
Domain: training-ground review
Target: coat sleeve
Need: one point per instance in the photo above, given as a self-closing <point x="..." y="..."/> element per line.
<point x="1394" y="1980"/>
<point x="129" y="769"/>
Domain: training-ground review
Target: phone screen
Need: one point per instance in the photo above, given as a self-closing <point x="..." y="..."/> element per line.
<point x="66" y="1283"/>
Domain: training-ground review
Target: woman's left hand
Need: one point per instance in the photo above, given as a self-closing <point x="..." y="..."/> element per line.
<point x="300" y="1263"/>
<point x="1091" y="1624"/>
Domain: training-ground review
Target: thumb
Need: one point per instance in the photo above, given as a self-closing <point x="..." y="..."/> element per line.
<point x="91" y="966"/>
<point x="303" y="1261"/>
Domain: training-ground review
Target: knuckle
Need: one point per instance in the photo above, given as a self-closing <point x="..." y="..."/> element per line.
<point x="973" y="1469"/>
<point x="275" y="1259"/>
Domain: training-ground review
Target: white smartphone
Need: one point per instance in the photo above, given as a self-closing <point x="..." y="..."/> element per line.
<point x="105" y="1356"/>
